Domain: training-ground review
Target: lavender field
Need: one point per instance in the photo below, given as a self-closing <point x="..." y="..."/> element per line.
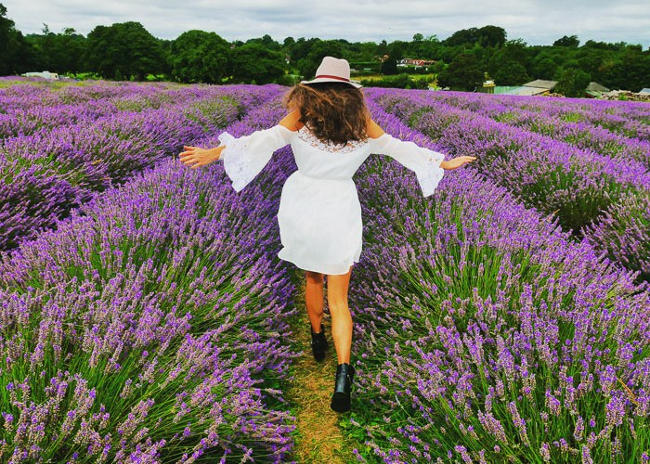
<point x="145" y="316"/>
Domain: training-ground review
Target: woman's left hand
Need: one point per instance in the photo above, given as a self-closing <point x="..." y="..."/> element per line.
<point x="457" y="162"/>
<point x="196" y="156"/>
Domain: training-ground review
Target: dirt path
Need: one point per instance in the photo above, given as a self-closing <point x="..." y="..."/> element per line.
<point x="318" y="435"/>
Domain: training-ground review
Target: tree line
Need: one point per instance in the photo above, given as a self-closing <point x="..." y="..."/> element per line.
<point x="127" y="51"/>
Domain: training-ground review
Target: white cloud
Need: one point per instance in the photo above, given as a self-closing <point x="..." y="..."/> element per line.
<point x="534" y="21"/>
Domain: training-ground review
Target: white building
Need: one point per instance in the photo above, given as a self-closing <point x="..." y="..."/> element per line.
<point x="43" y="74"/>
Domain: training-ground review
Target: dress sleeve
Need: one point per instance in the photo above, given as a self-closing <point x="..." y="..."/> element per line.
<point x="244" y="157"/>
<point x="423" y="161"/>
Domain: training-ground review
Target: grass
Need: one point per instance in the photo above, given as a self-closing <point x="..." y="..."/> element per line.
<point x="318" y="433"/>
<point x="383" y="76"/>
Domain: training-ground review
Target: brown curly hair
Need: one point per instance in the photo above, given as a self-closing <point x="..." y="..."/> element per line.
<point x="334" y="112"/>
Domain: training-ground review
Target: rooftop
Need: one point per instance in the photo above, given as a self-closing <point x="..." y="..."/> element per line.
<point x="595" y="86"/>
<point x="518" y="90"/>
<point x="541" y="84"/>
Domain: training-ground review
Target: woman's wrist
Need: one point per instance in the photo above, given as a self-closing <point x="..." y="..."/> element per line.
<point x="444" y="164"/>
<point x="215" y="152"/>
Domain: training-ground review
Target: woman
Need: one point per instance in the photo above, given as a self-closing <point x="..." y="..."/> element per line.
<point x="331" y="134"/>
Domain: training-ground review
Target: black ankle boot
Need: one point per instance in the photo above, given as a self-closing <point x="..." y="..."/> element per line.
<point x="342" y="385"/>
<point x="318" y="343"/>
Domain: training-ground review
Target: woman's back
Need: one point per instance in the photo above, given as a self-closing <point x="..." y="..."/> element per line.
<point x="327" y="160"/>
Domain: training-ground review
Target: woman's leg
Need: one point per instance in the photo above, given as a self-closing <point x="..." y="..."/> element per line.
<point x="314" y="299"/>
<point x="337" y="299"/>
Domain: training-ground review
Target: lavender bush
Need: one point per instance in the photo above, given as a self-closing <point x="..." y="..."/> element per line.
<point x="28" y="114"/>
<point x="623" y="118"/>
<point x="45" y="174"/>
<point x="547" y="119"/>
<point x="623" y="232"/>
<point x="483" y="334"/>
<point x="556" y="178"/>
<point x="150" y="326"/>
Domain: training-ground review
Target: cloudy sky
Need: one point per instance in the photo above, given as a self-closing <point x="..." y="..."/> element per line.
<point x="534" y="21"/>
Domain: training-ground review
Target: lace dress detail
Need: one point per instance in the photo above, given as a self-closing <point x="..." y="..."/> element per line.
<point x="308" y="136"/>
<point x="244" y="157"/>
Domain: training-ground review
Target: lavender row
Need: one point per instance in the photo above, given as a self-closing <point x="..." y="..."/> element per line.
<point x="151" y="326"/>
<point x="630" y="119"/>
<point x="623" y="233"/>
<point x="45" y="175"/>
<point x="620" y="110"/>
<point x="578" y="186"/>
<point x="24" y="93"/>
<point x="550" y="121"/>
<point x="32" y="116"/>
<point x="484" y="334"/>
<point x="545" y="167"/>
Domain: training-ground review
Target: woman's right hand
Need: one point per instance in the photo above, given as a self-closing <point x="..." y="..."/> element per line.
<point x="457" y="162"/>
<point x="196" y="156"/>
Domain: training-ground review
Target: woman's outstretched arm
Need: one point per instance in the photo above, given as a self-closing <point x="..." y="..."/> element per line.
<point x="244" y="156"/>
<point x="375" y="132"/>
<point x="197" y="156"/>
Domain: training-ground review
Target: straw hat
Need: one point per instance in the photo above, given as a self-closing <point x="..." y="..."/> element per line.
<point x="333" y="70"/>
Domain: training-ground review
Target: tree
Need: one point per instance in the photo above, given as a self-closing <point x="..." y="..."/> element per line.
<point x="198" y="56"/>
<point x="308" y="65"/>
<point x="572" y="82"/>
<point x="511" y="73"/>
<point x="503" y="62"/>
<point x="487" y="36"/>
<point x="628" y="71"/>
<point x="301" y="49"/>
<point x="16" y="55"/>
<point x="543" y="67"/>
<point x="599" y="45"/>
<point x="462" y="37"/>
<point x="566" y="41"/>
<point x="389" y="66"/>
<point x="396" y="49"/>
<point x="253" y="62"/>
<point x="124" y="49"/>
<point x="589" y="59"/>
<point x="491" y="36"/>
<point x="265" y="41"/>
<point x="59" y="52"/>
<point x="514" y="50"/>
<point x="382" y="48"/>
<point x="464" y="73"/>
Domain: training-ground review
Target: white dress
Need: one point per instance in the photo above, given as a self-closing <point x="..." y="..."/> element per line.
<point x="319" y="215"/>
